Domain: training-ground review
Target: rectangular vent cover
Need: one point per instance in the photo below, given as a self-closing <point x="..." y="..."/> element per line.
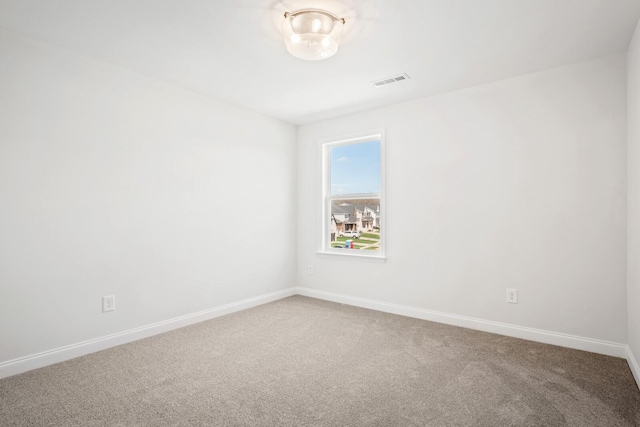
<point x="389" y="80"/>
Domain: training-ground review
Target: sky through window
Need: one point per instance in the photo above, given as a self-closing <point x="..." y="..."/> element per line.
<point x="355" y="168"/>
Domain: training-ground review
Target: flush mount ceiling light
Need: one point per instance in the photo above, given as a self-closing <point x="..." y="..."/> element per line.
<point x="312" y="34"/>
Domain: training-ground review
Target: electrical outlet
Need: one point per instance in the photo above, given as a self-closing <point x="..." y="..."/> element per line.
<point x="310" y="269"/>
<point x="512" y="296"/>
<point x="108" y="303"/>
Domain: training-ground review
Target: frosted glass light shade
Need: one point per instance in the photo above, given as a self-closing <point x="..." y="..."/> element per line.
<point x="312" y="34"/>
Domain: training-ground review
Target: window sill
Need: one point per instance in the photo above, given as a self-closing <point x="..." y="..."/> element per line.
<point x="349" y="254"/>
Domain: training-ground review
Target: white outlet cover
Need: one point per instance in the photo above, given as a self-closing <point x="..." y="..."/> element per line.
<point x="512" y="296"/>
<point x="108" y="303"/>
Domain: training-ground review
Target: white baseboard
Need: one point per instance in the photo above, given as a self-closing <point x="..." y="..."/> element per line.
<point x="39" y="360"/>
<point x="547" y="337"/>
<point x="633" y="364"/>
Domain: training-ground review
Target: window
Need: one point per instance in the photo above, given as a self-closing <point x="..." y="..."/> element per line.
<point x="353" y="195"/>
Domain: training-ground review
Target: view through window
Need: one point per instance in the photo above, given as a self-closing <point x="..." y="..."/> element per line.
<point x="353" y="195"/>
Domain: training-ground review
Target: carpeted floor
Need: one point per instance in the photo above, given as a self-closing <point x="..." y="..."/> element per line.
<point x="306" y="362"/>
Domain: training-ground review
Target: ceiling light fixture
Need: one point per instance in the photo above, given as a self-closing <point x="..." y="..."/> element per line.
<point x="312" y="34"/>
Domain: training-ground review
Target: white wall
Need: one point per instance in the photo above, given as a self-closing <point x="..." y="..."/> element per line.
<point x="515" y="184"/>
<point x="633" y="243"/>
<point x="113" y="183"/>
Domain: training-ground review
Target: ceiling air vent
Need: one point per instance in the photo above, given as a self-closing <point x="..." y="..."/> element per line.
<point x="389" y="80"/>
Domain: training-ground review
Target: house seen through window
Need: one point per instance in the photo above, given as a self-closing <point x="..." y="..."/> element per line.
<point x="353" y="204"/>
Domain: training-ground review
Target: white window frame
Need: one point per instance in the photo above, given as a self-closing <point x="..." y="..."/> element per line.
<point x="324" y="237"/>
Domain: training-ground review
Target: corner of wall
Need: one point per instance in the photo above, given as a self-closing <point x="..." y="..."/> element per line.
<point x="633" y="203"/>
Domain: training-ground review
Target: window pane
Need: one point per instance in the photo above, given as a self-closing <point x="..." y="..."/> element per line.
<point x="355" y="168"/>
<point x="355" y="224"/>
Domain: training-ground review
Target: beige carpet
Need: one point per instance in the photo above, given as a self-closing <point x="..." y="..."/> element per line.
<point x="306" y="362"/>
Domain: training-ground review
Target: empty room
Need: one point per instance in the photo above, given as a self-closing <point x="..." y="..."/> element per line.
<point x="320" y="213"/>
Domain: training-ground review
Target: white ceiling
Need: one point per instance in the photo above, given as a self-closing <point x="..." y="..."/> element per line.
<point x="232" y="49"/>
